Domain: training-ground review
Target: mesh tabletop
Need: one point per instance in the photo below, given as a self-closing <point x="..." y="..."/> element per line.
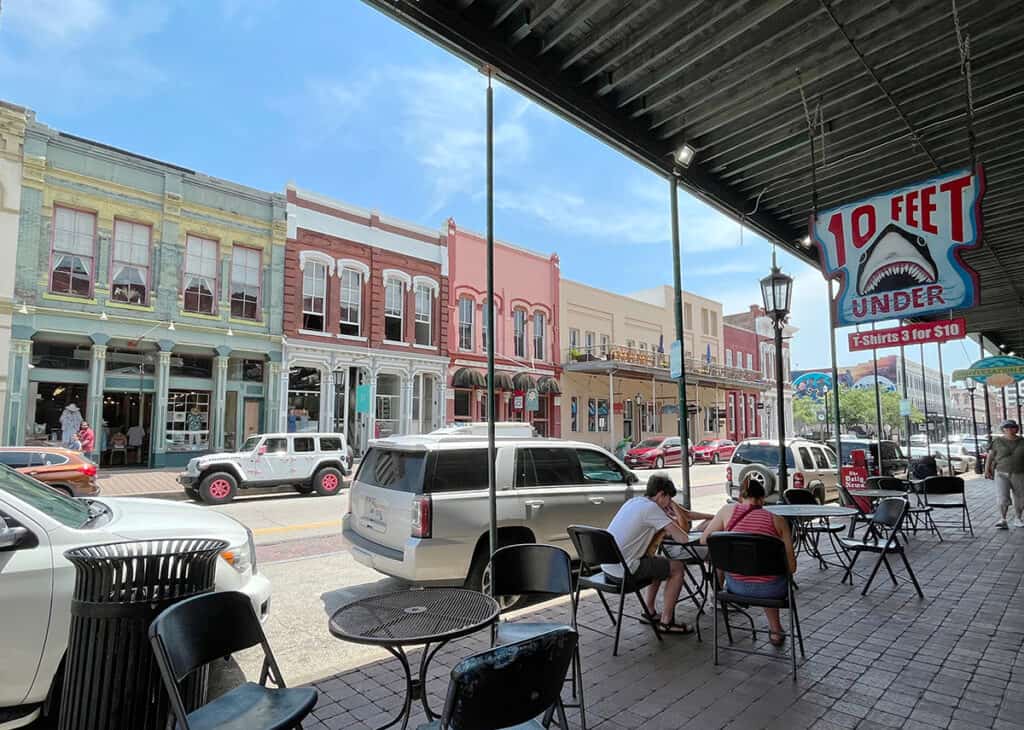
<point x="877" y="493"/>
<point x="415" y="616"/>
<point x="810" y="511"/>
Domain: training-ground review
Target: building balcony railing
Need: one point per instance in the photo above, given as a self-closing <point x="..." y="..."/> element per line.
<point x="622" y="355"/>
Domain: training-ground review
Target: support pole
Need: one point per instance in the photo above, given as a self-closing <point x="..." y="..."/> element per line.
<point x="611" y="411"/>
<point x="677" y="280"/>
<point x="974" y="426"/>
<point x="836" y="416"/>
<point x="1003" y="391"/>
<point x="906" y="419"/>
<point x="878" y="409"/>
<point x="783" y="472"/>
<point x="945" y="414"/>
<point x="1016" y="389"/>
<point x="491" y="478"/>
<point x="924" y="392"/>
<point x="984" y="392"/>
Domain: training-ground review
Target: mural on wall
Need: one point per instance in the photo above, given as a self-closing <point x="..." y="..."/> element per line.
<point x="810" y="383"/>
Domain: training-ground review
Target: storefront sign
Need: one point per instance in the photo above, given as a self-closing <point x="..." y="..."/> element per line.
<point x="899" y="254"/>
<point x="517" y="400"/>
<point x="910" y="334"/>
<point x="363" y="398"/>
<point x="998" y="371"/>
<point x="904" y="407"/>
<point x="532" y="400"/>
<point x="675" y="359"/>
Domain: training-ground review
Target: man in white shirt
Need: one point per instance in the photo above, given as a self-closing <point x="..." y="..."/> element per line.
<point x="633" y="528"/>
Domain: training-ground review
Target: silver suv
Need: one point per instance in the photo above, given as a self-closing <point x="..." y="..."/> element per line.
<point x="809" y="465"/>
<point x="306" y="461"/>
<point x="419" y="510"/>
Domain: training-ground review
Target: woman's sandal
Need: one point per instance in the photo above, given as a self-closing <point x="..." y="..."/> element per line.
<point x="776" y="638"/>
<point x="674" y="628"/>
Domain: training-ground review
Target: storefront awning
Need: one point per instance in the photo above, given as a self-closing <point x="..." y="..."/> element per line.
<point x="469" y="378"/>
<point x="524" y="381"/>
<point x="548" y="385"/>
<point x="503" y="381"/>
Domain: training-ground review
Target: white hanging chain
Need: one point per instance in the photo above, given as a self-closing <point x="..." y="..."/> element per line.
<point x="963" y="43"/>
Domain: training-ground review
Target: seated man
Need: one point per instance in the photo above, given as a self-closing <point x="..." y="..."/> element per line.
<point x="633" y="527"/>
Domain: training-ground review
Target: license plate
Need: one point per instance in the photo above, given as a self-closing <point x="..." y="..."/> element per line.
<point x="373" y="515"/>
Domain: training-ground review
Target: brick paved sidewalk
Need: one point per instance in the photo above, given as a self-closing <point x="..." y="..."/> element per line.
<point x="138" y="482"/>
<point x="885" y="660"/>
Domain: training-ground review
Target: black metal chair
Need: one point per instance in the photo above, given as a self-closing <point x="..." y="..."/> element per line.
<point x="952" y="496"/>
<point x="190" y="634"/>
<point x="743" y="553"/>
<point x="595" y="547"/>
<point x="889" y="514"/>
<point x="808" y="533"/>
<point x="542" y="571"/>
<point x="918" y="512"/>
<point x="509" y="686"/>
<point x="846" y="500"/>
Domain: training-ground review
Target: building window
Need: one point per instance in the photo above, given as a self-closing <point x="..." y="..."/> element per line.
<point x="631" y="344"/>
<point x="728" y="358"/>
<point x="200" y="275"/>
<point x="484" y="330"/>
<point x="588" y="343"/>
<point x="688" y="316"/>
<point x="423" y="315"/>
<point x="303" y="399"/>
<point x="466" y="307"/>
<point x="574" y="414"/>
<point x="245" y="283"/>
<point x="393" y="295"/>
<point x="714" y="324"/>
<point x="74" y="252"/>
<point x="643" y="347"/>
<point x="463" y="405"/>
<point x="538" y="336"/>
<point x="605" y="345"/>
<point x="129" y="277"/>
<point x="574" y="338"/>
<point x="188" y="420"/>
<point x="389" y="401"/>
<point x="350" y="322"/>
<point x="602" y="415"/>
<point x="592" y="415"/>
<point x="705" y="321"/>
<point x="750" y="361"/>
<point x="519" y="332"/>
<point x="314" y="297"/>
<point x="731" y="423"/>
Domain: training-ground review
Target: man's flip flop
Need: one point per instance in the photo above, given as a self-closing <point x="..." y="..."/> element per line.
<point x="674" y="628"/>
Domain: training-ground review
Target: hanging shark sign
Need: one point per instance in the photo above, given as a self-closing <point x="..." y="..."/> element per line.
<point x="900" y="254"/>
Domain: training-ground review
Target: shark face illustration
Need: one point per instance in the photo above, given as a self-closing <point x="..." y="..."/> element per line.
<point x="895" y="260"/>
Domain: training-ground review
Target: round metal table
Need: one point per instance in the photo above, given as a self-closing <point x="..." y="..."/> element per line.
<point x="427" y="617"/>
<point x="809" y="511"/>
<point x="877" y="493"/>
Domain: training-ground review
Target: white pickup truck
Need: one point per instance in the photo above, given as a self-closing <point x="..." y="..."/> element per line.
<point x="37" y="525"/>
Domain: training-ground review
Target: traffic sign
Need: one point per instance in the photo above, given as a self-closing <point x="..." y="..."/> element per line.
<point x="675" y="360"/>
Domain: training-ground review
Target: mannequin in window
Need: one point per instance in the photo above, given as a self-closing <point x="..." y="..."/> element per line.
<point x="70" y="421"/>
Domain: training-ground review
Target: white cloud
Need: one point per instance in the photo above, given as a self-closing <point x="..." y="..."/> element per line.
<point x="47" y="21"/>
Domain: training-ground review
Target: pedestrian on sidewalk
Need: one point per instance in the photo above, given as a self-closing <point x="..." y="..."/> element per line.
<point x="86" y="437"/>
<point x="1005" y="461"/>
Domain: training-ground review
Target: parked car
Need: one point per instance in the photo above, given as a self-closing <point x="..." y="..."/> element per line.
<point x="37" y="525"/>
<point x="306" y="461"/>
<point x="809" y="465"/>
<point x="962" y="455"/>
<point x="713" y="450"/>
<point x="655" y="453"/>
<point x="976" y="445"/>
<point x="65" y="470"/>
<point x="502" y="429"/>
<point x="918" y="439"/>
<point x="419" y="508"/>
<point x="894" y="463"/>
<point x="918" y="452"/>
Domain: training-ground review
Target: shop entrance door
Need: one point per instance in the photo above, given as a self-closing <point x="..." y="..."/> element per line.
<point x="124" y="437"/>
<point x="251" y="421"/>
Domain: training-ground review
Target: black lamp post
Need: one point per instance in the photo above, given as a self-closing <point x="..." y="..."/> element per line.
<point x="777" y="293"/>
<point x="828" y="427"/>
<point x="971" y="387"/>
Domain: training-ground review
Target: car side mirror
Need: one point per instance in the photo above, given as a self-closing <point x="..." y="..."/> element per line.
<point x="12" y="538"/>
<point x="631" y="478"/>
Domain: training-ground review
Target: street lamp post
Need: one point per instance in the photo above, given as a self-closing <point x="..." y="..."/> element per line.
<point x="971" y="387"/>
<point x="777" y="293"/>
<point x="828" y="425"/>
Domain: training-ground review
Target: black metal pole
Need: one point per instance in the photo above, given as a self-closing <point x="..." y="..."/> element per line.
<point x="906" y="398"/>
<point x="984" y="391"/>
<point x="828" y="424"/>
<point x="1003" y="390"/>
<point x="836" y="414"/>
<point x="924" y="392"/>
<point x="974" y="426"/>
<point x="1016" y="389"/>
<point x="783" y="475"/>
<point x="878" y="409"/>
<point x="945" y="415"/>
<point x="491" y="477"/>
<point x="677" y="280"/>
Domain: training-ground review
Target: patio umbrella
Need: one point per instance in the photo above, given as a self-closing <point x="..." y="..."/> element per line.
<point x="661" y="343"/>
<point x="708" y="356"/>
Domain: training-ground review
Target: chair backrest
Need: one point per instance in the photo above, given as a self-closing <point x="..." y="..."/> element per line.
<point x="594" y="546"/>
<point x="200" y="629"/>
<point x="889" y="512"/>
<point x="747" y="554"/>
<point x="799" y="496"/>
<point x="510" y="684"/>
<point x="894" y="483"/>
<point x="943" y="485"/>
<point x="846" y="499"/>
<point x="531" y="570"/>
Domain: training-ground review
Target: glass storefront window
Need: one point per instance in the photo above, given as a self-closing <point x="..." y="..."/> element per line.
<point x="388" y="409"/>
<point x="60" y="357"/>
<point x="250" y="371"/>
<point x="303" y="400"/>
<point x="192" y="366"/>
<point x="129" y="362"/>
<point x="463" y="405"/>
<point x="188" y="420"/>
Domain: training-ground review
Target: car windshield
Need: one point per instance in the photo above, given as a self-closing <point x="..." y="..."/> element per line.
<point x="766" y="454"/>
<point x="250" y="443"/>
<point x="649" y="444"/>
<point x="705" y="442"/>
<point x="67" y="511"/>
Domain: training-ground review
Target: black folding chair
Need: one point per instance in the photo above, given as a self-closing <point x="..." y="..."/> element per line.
<point x="809" y="532"/>
<point x="950" y="491"/>
<point x="742" y="553"/>
<point x="509" y="686"/>
<point x="889" y="514"/>
<point x="846" y="500"/>
<point x="194" y="632"/>
<point x="541" y="571"/>
<point x="918" y="512"/>
<point x="595" y="547"/>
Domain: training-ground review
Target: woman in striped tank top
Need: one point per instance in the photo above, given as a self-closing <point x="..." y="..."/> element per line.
<point x="748" y="516"/>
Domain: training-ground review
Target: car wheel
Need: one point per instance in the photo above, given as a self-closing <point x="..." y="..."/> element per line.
<point x="759" y="474"/>
<point x="303" y="488"/>
<point x="714" y="458"/>
<point x="218" y="488"/>
<point x="659" y="463"/>
<point x="327" y="481"/>
<point x="479" y="579"/>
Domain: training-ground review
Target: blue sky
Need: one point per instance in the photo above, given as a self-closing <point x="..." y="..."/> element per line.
<point x="341" y="100"/>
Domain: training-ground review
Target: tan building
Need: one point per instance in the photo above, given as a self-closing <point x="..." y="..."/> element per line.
<point x="12" y="139"/>
<point x="615" y="357"/>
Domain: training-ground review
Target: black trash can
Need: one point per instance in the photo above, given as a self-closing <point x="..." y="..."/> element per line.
<point x="111" y="679"/>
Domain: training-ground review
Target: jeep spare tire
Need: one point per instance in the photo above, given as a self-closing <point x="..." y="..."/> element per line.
<point x="219" y="487"/>
<point x="327" y="481"/>
<point x="760" y="474"/>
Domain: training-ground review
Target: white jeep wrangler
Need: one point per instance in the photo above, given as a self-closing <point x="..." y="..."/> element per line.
<point x="306" y="461"/>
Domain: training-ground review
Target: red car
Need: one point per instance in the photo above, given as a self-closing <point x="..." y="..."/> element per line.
<point x="713" y="450"/>
<point x="655" y="453"/>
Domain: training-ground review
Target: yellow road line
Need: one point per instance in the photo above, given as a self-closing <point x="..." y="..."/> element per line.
<point x="294" y="528"/>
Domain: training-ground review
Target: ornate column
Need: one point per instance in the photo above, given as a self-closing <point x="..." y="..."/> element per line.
<point x="327" y="382"/>
<point x="219" y="401"/>
<point x="16" y="412"/>
<point x="97" y="382"/>
<point x="272" y="398"/>
<point x="163" y="379"/>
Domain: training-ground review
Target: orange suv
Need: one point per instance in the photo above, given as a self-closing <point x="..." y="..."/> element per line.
<point x="66" y="471"/>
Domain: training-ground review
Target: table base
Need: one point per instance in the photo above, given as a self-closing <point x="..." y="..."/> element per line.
<point x="415" y="688"/>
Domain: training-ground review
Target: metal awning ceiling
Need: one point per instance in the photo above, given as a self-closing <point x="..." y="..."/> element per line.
<point x="726" y="77"/>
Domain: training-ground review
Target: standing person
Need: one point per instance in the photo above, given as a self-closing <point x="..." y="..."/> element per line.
<point x="633" y="527"/>
<point x="750" y="517"/>
<point x="86" y="437"/>
<point x="1005" y="461"/>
